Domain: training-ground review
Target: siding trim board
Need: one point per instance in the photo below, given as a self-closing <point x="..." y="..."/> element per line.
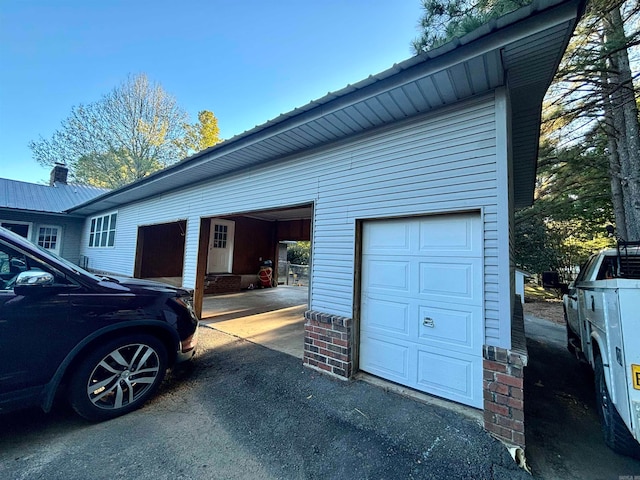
<point x="505" y="285"/>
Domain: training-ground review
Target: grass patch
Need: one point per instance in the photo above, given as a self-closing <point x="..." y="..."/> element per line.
<point x="535" y="293"/>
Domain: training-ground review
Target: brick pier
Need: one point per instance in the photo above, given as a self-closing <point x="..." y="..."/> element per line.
<point x="328" y="343"/>
<point x="503" y="388"/>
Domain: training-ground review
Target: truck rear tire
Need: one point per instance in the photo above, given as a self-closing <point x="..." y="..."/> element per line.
<point x="616" y="434"/>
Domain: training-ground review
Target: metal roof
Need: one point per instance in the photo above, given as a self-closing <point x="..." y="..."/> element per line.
<point x="520" y="51"/>
<point x="45" y="198"/>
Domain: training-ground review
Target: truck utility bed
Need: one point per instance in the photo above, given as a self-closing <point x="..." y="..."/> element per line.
<point x="602" y="311"/>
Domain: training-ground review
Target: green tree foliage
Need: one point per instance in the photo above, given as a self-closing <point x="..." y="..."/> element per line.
<point x="299" y="253"/>
<point x="112" y="169"/>
<point x="572" y="183"/>
<point x="589" y="164"/>
<point x="443" y="20"/>
<point x="573" y="205"/>
<point x="594" y="89"/>
<point x="131" y="132"/>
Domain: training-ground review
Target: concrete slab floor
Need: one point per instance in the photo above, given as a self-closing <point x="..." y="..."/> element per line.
<point x="272" y="317"/>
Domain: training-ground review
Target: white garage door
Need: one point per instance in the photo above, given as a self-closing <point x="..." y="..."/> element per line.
<point x="421" y="304"/>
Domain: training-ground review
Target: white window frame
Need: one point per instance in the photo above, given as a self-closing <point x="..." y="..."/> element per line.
<point x="28" y="224"/>
<point x="99" y="236"/>
<point x="58" y="228"/>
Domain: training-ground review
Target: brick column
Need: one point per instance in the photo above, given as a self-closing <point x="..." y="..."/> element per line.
<point x="503" y="394"/>
<point x="328" y="343"/>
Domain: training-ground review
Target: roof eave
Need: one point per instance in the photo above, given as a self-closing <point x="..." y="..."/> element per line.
<point x="490" y="37"/>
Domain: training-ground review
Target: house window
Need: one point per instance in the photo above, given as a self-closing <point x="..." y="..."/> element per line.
<point x="48" y="237"/>
<point x="220" y="236"/>
<point x="20" y="228"/>
<point x="103" y="231"/>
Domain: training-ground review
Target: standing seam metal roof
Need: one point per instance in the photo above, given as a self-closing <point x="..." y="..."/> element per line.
<point x="34" y="197"/>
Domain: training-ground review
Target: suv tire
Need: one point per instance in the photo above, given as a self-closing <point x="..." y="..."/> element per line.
<point x="118" y="377"/>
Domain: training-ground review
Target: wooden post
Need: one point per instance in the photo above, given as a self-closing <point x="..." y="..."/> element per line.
<point x="201" y="265"/>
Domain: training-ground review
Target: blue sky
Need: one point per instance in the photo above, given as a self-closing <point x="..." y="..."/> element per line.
<point x="247" y="61"/>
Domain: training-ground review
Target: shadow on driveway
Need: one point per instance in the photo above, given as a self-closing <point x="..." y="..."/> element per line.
<point x="242" y="411"/>
<point x="564" y="440"/>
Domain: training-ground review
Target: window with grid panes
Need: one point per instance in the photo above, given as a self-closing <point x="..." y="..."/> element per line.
<point x="220" y="236"/>
<point x="48" y="238"/>
<point x="103" y="230"/>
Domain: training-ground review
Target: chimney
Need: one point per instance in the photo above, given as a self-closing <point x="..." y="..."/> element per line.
<point x="58" y="174"/>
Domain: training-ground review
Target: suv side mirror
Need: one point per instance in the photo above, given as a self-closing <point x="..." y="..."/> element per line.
<point x="32" y="282"/>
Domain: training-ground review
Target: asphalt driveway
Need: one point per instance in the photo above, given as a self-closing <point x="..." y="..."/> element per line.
<point x="564" y="439"/>
<point x="245" y="411"/>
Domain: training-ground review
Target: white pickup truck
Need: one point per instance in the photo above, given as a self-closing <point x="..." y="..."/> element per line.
<point x="602" y="311"/>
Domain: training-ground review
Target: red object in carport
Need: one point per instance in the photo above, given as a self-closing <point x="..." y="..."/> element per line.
<point x="265" y="275"/>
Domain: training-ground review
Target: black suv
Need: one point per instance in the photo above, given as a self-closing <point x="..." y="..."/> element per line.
<point x="104" y="342"/>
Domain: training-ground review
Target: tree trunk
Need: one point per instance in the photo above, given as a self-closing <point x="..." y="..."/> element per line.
<point x="617" y="199"/>
<point x="624" y="114"/>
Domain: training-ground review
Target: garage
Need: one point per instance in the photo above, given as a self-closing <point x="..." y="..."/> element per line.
<point x="160" y="252"/>
<point x="232" y="248"/>
<point x="421" y="304"/>
<point x="408" y="181"/>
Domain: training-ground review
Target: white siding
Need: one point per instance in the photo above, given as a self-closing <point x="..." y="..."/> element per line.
<point x="443" y="162"/>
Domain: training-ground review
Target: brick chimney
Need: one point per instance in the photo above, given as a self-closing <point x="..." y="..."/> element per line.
<point x="58" y="174"/>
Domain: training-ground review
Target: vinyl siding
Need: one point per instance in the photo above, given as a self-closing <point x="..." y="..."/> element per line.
<point x="443" y="162"/>
<point x="70" y="233"/>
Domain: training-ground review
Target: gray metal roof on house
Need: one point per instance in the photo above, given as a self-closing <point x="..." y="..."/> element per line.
<point x="519" y="51"/>
<point x="34" y="197"/>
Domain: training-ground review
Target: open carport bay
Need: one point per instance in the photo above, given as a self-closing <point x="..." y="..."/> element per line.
<point x="272" y="317"/>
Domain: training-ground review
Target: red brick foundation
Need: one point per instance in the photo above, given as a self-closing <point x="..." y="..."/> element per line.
<point x="223" y="283"/>
<point x="503" y="383"/>
<point x="328" y="343"/>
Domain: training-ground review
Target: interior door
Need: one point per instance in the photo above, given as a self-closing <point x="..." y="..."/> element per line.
<point x="220" y="258"/>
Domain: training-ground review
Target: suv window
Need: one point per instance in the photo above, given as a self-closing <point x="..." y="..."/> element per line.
<point x="13" y="261"/>
<point x="11" y="264"/>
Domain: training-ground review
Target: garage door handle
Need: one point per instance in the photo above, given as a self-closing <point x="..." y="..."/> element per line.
<point x="428" y="322"/>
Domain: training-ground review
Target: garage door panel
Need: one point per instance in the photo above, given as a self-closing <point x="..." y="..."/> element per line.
<point x="450" y="376"/>
<point x="387" y="359"/>
<point x="451" y="235"/>
<point x="386" y="316"/>
<point x="451" y="329"/>
<point x="387" y="274"/>
<point x="421" y="320"/>
<point x="382" y="237"/>
<point x="451" y="281"/>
